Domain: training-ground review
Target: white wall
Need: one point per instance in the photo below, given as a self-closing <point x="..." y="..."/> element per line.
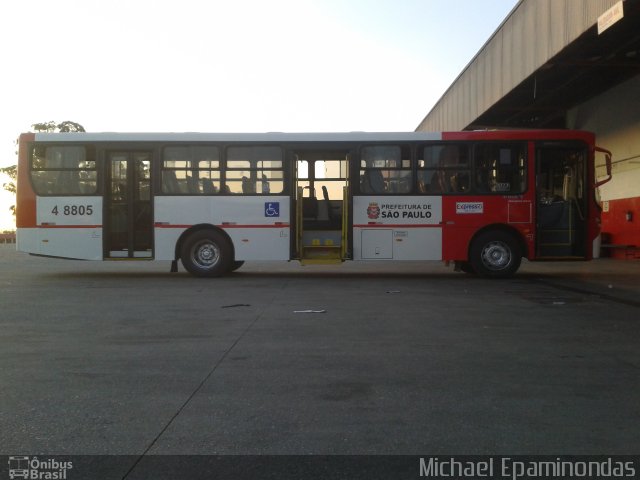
<point x="614" y="116"/>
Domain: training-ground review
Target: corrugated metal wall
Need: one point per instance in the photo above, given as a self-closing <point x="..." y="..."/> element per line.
<point x="535" y="31"/>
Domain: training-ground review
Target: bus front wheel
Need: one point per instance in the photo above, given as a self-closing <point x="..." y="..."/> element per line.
<point x="495" y="254"/>
<point x="466" y="268"/>
<point x="206" y="253"/>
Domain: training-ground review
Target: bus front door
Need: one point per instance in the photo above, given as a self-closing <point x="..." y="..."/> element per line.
<point x="562" y="201"/>
<point x="128" y="213"/>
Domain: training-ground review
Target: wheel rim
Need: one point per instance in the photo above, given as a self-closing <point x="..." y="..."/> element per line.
<point x="496" y="255"/>
<point x="205" y="254"/>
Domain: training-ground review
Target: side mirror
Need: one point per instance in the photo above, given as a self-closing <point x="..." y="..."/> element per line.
<point x="607" y="159"/>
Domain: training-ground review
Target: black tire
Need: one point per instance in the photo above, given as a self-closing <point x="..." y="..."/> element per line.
<point x="236" y="265"/>
<point x="495" y="254"/>
<point x="207" y="253"/>
<point x="467" y="268"/>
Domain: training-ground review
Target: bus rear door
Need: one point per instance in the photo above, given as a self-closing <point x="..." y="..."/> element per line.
<point x="127" y="211"/>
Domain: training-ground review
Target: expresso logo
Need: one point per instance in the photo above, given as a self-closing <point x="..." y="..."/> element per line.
<point x="469" y="207"/>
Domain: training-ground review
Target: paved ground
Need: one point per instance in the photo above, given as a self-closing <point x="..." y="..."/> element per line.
<point x="407" y="359"/>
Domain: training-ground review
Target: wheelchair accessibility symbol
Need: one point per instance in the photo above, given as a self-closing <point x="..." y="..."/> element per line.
<point x="272" y="209"/>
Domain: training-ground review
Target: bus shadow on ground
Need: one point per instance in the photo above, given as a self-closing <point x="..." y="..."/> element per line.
<point x="314" y="275"/>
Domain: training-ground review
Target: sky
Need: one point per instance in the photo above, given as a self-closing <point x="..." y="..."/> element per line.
<point x="232" y="65"/>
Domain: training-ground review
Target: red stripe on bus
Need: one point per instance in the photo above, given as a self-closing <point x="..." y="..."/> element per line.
<point x="256" y="226"/>
<point x="69" y="226"/>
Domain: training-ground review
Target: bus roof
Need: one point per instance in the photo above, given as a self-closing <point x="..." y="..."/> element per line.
<point x="279" y="137"/>
<point x="235" y="137"/>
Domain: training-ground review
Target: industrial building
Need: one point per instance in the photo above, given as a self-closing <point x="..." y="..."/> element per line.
<point x="563" y="64"/>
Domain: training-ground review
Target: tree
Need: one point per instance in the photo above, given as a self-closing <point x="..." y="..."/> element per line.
<point x="62" y="127"/>
<point x="12" y="173"/>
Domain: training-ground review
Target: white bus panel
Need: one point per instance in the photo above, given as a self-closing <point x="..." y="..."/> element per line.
<point x="397" y="228"/>
<point x="259" y="227"/>
<point x="69" y="227"/>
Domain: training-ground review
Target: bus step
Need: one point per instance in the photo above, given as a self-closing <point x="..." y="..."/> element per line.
<point x="321" y="237"/>
<point x="320" y="261"/>
<point x="315" y="243"/>
<point x="322" y="252"/>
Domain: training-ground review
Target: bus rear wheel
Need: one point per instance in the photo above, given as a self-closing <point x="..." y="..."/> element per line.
<point x="495" y="254"/>
<point x="235" y="265"/>
<point x="206" y="253"/>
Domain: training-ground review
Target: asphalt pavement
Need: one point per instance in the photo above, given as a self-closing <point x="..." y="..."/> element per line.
<point x="125" y="358"/>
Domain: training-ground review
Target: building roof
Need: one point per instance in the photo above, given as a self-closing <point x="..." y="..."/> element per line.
<point x="546" y="57"/>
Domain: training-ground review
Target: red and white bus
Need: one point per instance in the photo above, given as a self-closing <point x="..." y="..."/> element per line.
<point x="481" y="200"/>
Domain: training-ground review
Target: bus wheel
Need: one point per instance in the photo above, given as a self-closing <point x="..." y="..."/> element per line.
<point x="495" y="254"/>
<point x="206" y="253"/>
<point x="236" y="265"/>
<point x="466" y="268"/>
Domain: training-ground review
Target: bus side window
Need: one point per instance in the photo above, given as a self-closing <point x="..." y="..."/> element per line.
<point x="444" y="168"/>
<point x="64" y="170"/>
<point x="190" y="169"/>
<point x="254" y="170"/>
<point x="208" y="187"/>
<point x="500" y="168"/>
<point x="193" y="185"/>
<point x="248" y="186"/>
<point x="385" y="169"/>
<point x="371" y="181"/>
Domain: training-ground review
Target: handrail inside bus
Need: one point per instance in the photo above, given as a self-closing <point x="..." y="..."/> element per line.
<point x="299" y="220"/>
<point x="607" y="158"/>
<point x="345" y="222"/>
